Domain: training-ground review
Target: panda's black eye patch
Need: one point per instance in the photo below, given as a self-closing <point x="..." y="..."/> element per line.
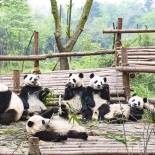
<point x="96" y="81"/>
<point x="30" y="78"/>
<point x="43" y="122"/>
<point x="139" y="103"/>
<point x="74" y="80"/>
<point x="133" y="100"/>
<point x="30" y="123"/>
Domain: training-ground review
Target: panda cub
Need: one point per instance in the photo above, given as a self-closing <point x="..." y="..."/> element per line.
<point x="32" y="94"/>
<point x="97" y="102"/>
<point x="137" y="107"/>
<point x="56" y="129"/>
<point x="74" y="92"/>
<point x="11" y="106"/>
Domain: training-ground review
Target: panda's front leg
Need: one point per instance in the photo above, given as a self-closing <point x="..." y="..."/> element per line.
<point x="43" y="93"/>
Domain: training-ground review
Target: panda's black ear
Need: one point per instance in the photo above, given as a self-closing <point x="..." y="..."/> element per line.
<point x="81" y="75"/>
<point x="30" y="123"/>
<point x="145" y="100"/>
<point x="91" y="75"/>
<point x="105" y="79"/>
<point x="70" y="74"/>
<point x="25" y="76"/>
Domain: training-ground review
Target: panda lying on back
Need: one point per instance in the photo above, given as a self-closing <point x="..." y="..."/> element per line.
<point x="11" y="106"/>
<point x="74" y="92"/>
<point x="32" y="94"/>
<point x="97" y="101"/>
<point x="56" y="129"/>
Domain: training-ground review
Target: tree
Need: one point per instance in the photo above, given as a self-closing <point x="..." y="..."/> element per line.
<point x="72" y="40"/>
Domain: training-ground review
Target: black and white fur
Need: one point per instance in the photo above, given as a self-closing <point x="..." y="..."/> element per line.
<point x="56" y="129"/>
<point x="11" y="106"/>
<point x="74" y="92"/>
<point x="97" y="102"/>
<point x="32" y="94"/>
<point x="137" y="107"/>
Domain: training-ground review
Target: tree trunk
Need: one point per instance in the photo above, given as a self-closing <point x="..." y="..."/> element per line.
<point x="64" y="65"/>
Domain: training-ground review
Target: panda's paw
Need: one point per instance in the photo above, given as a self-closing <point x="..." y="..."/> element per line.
<point x="84" y="135"/>
<point x="46" y="90"/>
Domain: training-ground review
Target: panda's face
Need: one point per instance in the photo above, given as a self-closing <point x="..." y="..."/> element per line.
<point x="31" y="80"/>
<point x="36" y="123"/>
<point x="96" y="82"/>
<point x="75" y="80"/>
<point x="136" y="102"/>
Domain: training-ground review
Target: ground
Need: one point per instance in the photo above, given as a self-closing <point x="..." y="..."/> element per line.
<point x="103" y="137"/>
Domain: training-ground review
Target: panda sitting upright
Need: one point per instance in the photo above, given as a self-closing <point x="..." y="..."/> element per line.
<point x="32" y="94"/>
<point x="11" y="106"/>
<point x="97" y="101"/>
<point x="74" y="92"/>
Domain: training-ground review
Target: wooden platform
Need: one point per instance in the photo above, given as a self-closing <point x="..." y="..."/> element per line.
<point x="56" y="80"/>
<point x="105" y="139"/>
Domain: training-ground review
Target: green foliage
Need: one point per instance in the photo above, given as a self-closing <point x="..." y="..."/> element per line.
<point x="121" y="137"/>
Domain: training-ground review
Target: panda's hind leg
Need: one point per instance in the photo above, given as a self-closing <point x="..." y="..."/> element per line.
<point x="8" y="117"/>
<point x="77" y="135"/>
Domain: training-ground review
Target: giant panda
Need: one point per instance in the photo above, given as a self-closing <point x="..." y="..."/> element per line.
<point x="97" y="102"/>
<point x="32" y="94"/>
<point x="137" y="107"/>
<point x="11" y="106"/>
<point x="56" y="129"/>
<point x="74" y="92"/>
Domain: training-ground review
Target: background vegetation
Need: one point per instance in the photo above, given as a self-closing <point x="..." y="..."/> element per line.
<point x="17" y="23"/>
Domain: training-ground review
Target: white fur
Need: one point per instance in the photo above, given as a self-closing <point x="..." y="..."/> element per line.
<point x="35" y="105"/>
<point x="79" y="81"/>
<point x="16" y="104"/>
<point x="134" y="100"/>
<point x="96" y="82"/>
<point x="116" y="109"/>
<point x="37" y="126"/>
<point x="56" y="124"/>
<point x="32" y="80"/>
<point x="98" y="102"/>
<point x="3" y="88"/>
<point x="74" y="103"/>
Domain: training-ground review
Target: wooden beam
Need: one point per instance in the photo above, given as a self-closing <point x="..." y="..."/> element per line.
<point x="146" y="69"/>
<point x="54" y="55"/>
<point x="16" y="81"/>
<point x="129" y="31"/>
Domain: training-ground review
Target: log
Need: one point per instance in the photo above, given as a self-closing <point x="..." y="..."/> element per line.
<point x="54" y="55"/>
<point x="146" y="69"/>
<point x="16" y="81"/>
<point x="34" y="146"/>
<point x="129" y="31"/>
<point x="150" y="107"/>
<point x="142" y="63"/>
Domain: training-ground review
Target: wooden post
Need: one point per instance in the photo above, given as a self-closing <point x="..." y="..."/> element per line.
<point x="36" y="52"/>
<point x="118" y="43"/>
<point x="16" y="81"/>
<point x="126" y="83"/>
<point x="34" y="146"/>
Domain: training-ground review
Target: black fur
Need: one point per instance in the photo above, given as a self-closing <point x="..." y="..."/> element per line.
<point x="103" y="110"/>
<point x="81" y="75"/>
<point x="41" y="93"/>
<point x="89" y="102"/>
<point x="50" y="112"/>
<point x="50" y="136"/>
<point x="136" y="114"/>
<point x="8" y="117"/>
<point x="78" y="135"/>
<point x="72" y="92"/>
<point x="64" y="112"/>
<point x="5" y="98"/>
